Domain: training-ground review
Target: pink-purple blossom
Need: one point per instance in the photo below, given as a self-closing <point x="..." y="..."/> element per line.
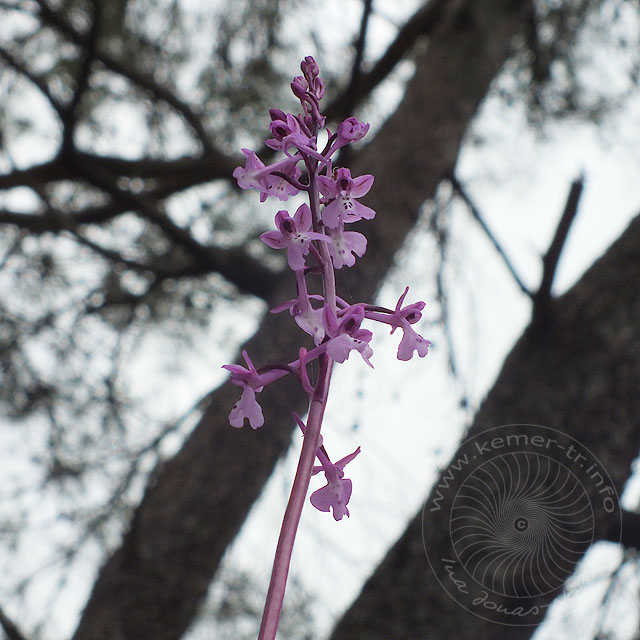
<point x="351" y="130"/>
<point x="411" y="341"/>
<point x="336" y="493"/>
<point x="255" y="175"/>
<point x="306" y="317"/>
<point x="245" y="376"/>
<point x="346" y="335"/>
<point x="294" y="235"/>
<point x="404" y="317"/>
<point x="344" y="244"/>
<point x="251" y="382"/>
<point x="247" y="407"/>
<point x="342" y="190"/>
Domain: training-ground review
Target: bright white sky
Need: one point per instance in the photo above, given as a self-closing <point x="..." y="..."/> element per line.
<point x="406" y="416"/>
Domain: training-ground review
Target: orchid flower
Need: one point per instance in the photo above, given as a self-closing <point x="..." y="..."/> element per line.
<point x="318" y="242"/>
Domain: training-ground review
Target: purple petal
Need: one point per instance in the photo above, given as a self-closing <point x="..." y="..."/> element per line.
<point x="331" y="214"/>
<point x="358" y="212"/>
<point x="361" y="185"/>
<point x="340" y="347"/>
<point x="330" y="321"/>
<point x="344" y="245"/>
<point x="295" y="255"/>
<point x="311" y="323"/>
<point x="334" y="495"/>
<point x="302" y="218"/>
<point x="347" y="459"/>
<point x="246" y="407"/>
<point x="273" y="239"/>
<point x="411" y="341"/>
<point x="327" y="186"/>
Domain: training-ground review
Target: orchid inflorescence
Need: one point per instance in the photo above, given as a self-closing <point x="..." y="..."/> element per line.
<point x="316" y="234"/>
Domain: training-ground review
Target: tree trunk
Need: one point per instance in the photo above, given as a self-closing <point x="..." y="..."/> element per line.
<point x="152" y="585"/>
<point x="517" y="507"/>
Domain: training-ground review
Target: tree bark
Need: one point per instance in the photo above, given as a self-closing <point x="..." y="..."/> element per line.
<point x="574" y="370"/>
<point x="153" y="584"/>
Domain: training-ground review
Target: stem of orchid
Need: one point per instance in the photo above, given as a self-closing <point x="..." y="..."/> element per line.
<point x="282" y="560"/>
<point x="328" y="275"/>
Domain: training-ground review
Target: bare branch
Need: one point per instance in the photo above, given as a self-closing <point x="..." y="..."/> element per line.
<point x="38" y="82"/>
<point x="70" y="118"/>
<point x="244" y="272"/>
<point x="54" y="220"/>
<point x="475" y="212"/>
<point x="552" y="257"/>
<point x="143" y="80"/>
<point x="174" y="175"/>
<point x="356" y="69"/>
<point x="421" y="23"/>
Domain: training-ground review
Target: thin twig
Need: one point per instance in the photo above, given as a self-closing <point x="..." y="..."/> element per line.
<point x="39" y="82"/>
<point x="356" y="69"/>
<point x="441" y="233"/>
<point x="423" y="22"/>
<point x="56" y="19"/>
<point x="475" y="212"/>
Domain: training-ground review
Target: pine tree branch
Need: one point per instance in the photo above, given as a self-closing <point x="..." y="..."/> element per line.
<point x="37" y="81"/>
<point x="145" y="81"/>
<point x="164" y="176"/>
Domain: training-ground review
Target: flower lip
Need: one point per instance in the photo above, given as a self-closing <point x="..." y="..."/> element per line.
<point x="335" y="495"/>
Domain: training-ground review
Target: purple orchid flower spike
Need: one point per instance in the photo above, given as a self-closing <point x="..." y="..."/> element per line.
<point x="347" y="335"/>
<point x="344" y="190"/>
<point x="315" y="234"/>
<point x="294" y="235"/>
<point x="336" y="493"/>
